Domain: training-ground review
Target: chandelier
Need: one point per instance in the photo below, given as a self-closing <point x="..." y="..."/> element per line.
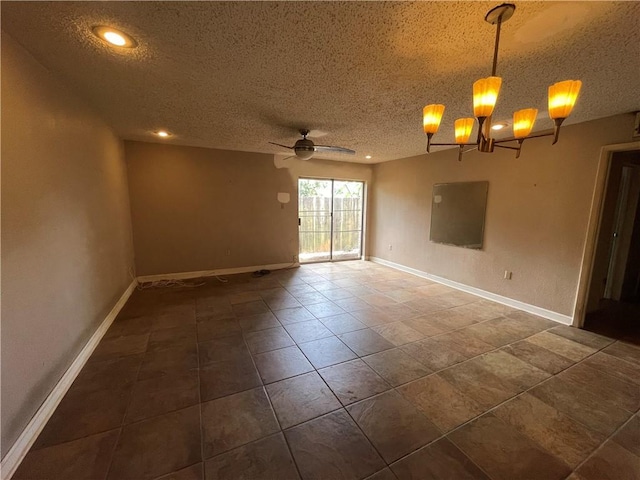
<point x="562" y="98"/>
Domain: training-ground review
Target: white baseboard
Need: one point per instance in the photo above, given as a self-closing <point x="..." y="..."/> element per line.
<point x="20" y="448"/>
<point x="211" y="273"/>
<point x="541" y="312"/>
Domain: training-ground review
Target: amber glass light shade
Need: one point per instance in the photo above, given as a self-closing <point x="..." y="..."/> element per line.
<point x="485" y="95"/>
<point x="431" y="117"/>
<point x="463" y="127"/>
<point x="523" y="121"/>
<point x="562" y="98"/>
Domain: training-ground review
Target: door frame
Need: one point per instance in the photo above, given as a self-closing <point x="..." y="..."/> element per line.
<point x="593" y="228"/>
<point x="362" y="219"/>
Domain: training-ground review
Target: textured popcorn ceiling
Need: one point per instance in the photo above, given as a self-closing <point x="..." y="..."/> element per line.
<point x="235" y="75"/>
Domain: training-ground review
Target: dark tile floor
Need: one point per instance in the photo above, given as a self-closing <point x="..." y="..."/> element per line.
<point x="343" y="371"/>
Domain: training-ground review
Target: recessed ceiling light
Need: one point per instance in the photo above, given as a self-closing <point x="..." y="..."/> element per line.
<point x="368" y="157"/>
<point x="163" y="133"/>
<point x="499" y="126"/>
<point x="114" y="37"/>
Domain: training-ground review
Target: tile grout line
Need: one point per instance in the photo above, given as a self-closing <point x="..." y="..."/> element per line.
<point x="273" y="410"/>
<point x="607" y="439"/>
<point x="124" y="416"/>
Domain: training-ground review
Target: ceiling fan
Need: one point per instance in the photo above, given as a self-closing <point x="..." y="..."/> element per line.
<point x="305" y="148"/>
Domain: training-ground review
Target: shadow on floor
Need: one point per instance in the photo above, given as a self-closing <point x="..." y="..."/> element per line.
<point x="619" y="320"/>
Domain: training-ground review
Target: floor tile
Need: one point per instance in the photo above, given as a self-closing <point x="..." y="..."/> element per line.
<point x="611" y="462"/>
<point x="293" y="315"/>
<point x="539" y="356"/>
<point x="398" y="333"/>
<point x="629" y="436"/>
<point x="84" y="459"/>
<point x="210" y="329"/>
<point x="224" y="378"/>
<point x="559" y="434"/>
<point x="113" y="347"/>
<point x="511" y="369"/>
<point x="352" y="304"/>
<point x="562" y="346"/>
<point x="169" y="361"/>
<point x="307" y="331"/>
<point x="332" y="447"/>
<point x="130" y="326"/>
<point x="582" y="336"/>
<point x="464" y="342"/>
<point x="260" y="321"/>
<point x="396" y="367"/>
<point x="268" y="458"/>
<point x="504" y="453"/>
<point x="440" y="460"/>
<point x="311" y="298"/>
<point x="174" y="318"/>
<point x="159" y="395"/>
<point x="106" y="375"/>
<point x="623" y="394"/>
<point x="325" y="309"/>
<point x="326" y="351"/>
<point x="158" y="445"/>
<point x="298" y="399"/>
<point x="343" y="323"/>
<point x="80" y="414"/>
<point x="192" y="472"/>
<point x="393" y="424"/>
<point x="486" y="389"/>
<point x="399" y="311"/>
<point x="172" y="337"/>
<point x="266" y="340"/>
<point x="433" y="354"/>
<point x="249" y="308"/>
<point x="372" y="316"/>
<point x="425" y="325"/>
<point x="614" y="366"/>
<point x="244" y="297"/>
<point x="235" y="420"/>
<point x="222" y="349"/>
<point x="283" y="363"/>
<point x="624" y="351"/>
<point x="501" y="331"/>
<point x="581" y="405"/>
<point x="443" y="404"/>
<point x="352" y="381"/>
<point x="384" y="474"/>
<point x="365" y="342"/>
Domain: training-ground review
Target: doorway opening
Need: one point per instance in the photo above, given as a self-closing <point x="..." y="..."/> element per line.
<point x="613" y="299"/>
<point x="330" y="219"/>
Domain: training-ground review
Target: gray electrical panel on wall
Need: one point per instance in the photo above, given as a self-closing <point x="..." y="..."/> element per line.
<point x="457" y="213"/>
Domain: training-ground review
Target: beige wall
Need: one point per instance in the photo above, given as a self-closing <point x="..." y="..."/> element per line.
<point x="536" y="221"/>
<point x="66" y="232"/>
<point x="197" y="209"/>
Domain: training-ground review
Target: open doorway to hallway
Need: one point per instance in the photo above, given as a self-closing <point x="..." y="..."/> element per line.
<point x="613" y="305"/>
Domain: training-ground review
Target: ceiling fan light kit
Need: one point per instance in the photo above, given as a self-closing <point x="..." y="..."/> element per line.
<point x="562" y="98"/>
<point x="304" y="148"/>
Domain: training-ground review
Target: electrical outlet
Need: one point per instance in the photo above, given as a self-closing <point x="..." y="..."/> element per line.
<point x="507" y="275"/>
<point x="390" y="247"/>
<point x="228" y="252"/>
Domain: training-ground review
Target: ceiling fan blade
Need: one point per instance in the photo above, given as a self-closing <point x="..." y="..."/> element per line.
<point x="280" y="145"/>
<point x="330" y="149"/>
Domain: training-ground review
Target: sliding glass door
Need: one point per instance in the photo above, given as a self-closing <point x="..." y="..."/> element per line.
<point x="330" y="219"/>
